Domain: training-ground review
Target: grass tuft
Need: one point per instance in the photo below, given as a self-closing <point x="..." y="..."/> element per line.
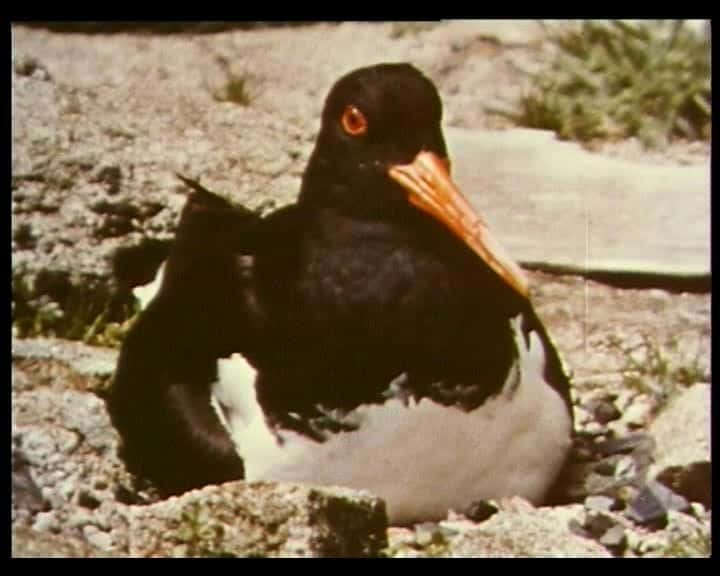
<point x="613" y="80"/>
<point x="658" y="369"/>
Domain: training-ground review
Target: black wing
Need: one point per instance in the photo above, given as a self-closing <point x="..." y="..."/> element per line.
<point x="160" y="399"/>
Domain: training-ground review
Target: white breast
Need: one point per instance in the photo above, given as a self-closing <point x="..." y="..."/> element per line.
<point x="423" y="458"/>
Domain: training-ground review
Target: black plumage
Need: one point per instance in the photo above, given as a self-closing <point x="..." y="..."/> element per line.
<point x="331" y="299"/>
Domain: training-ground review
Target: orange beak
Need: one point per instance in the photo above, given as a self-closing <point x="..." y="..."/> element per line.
<point x="427" y="180"/>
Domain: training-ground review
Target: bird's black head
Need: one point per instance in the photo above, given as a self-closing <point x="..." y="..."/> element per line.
<point x="381" y="153"/>
<point x="374" y="118"/>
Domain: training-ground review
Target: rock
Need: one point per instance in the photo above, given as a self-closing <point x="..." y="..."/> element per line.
<point x="603" y="410"/>
<point x="647" y="510"/>
<point x="651" y="506"/>
<point x="427" y="533"/>
<point x="30" y="66"/>
<point x="111" y="176"/>
<point x="25" y="493"/>
<point x="614" y="540"/>
<point x="24" y="237"/>
<point x="639" y="413"/>
<point x="693" y="481"/>
<point x="530" y="167"/>
<point x="67" y="443"/>
<point x="536" y="532"/>
<point x="86" y="360"/>
<point x="260" y="519"/>
<point x="480" y="511"/>
<point x="28" y="543"/>
<point x="46" y="522"/>
<point x="600" y="503"/>
<point x="597" y="523"/>
<point x="683" y="536"/>
<point x="626" y="444"/>
<point x="682" y="435"/>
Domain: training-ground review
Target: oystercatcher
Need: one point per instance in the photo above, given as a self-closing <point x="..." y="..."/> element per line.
<point x="371" y="335"/>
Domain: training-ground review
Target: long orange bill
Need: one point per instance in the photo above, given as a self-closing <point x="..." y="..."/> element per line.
<point x="427" y="179"/>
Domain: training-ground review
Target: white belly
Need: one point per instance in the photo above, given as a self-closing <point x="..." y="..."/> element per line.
<point x="422" y="458"/>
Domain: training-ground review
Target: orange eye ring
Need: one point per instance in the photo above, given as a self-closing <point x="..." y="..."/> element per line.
<point x="354" y="121"/>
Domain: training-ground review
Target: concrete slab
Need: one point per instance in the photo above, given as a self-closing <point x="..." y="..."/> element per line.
<point x="553" y="203"/>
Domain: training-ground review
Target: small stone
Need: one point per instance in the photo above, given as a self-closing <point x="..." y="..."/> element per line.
<point x="650" y="507"/>
<point x="693" y="482"/>
<point x="577" y="528"/>
<point x="425" y="533"/>
<point x="97" y="537"/>
<point x="625" y="468"/>
<point x="604" y="410"/>
<point x="614" y="539"/>
<point x="638" y="414"/>
<point x="101" y="484"/>
<point x="87" y="500"/>
<point x="595" y="428"/>
<point x="606" y="467"/>
<point x="670" y="499"/>
<point x="25" y="492"/>
<point x="600" y="503"/>
<point x="597" y="523"/>
<point x="46" y="522"/>
<point x="31" y="66"/>
<point x="24" y="237"/>
<point x="480" y="511"/>
<point x="110" y="175"/>
<point x="626" y="444"/>
<point x="81" y="518"/>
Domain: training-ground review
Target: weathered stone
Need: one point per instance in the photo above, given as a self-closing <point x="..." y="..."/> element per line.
<point x="625" y="444"/>
<point x="600" y="503"/>
<point x="260" y="519"/>
<point x="536" y="532"/>
<point x="650" y="507"/>
<point x="603" y="410"/>
<point x="480" y="511"/>
<point x="682" y="436"/>
<point x="693" y="481"/>
<point x="614" y="539"/>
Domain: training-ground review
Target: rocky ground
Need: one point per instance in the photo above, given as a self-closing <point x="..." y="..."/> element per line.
<point x="101" y="122"/>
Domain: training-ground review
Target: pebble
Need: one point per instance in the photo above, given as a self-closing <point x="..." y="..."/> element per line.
<point x="97" y="537"/>
<point x="614" y="539"/>
<point x="81" y="518"/>
<point x="425" y="533"/>
<point x="597" y="523"/>
<point x="627" y="444"/>
<point x="626" y="468"/>
<point x="480" y="511"/>
<point x="651" y="505"/>
<point x="603" y="410"/>
<point x="600" y="503"/>
<point x="638" y="413"/>
<point x="46" y="522"/>
<point x="693" y="482"/>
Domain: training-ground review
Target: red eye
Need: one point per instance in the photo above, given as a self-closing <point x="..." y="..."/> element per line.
<point x="353" y="121"/>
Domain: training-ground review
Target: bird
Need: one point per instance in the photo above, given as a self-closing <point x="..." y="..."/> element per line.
<point x="373" y="334"/>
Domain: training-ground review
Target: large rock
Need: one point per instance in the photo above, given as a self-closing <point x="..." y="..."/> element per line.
<point x="682" y="433"/>
<point x="260" y="519"/>
<point x="555" y="203"/>
<point x="515" y="531"/>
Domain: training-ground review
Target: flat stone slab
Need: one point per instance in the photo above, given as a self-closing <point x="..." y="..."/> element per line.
<point x="554" y="203"/>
